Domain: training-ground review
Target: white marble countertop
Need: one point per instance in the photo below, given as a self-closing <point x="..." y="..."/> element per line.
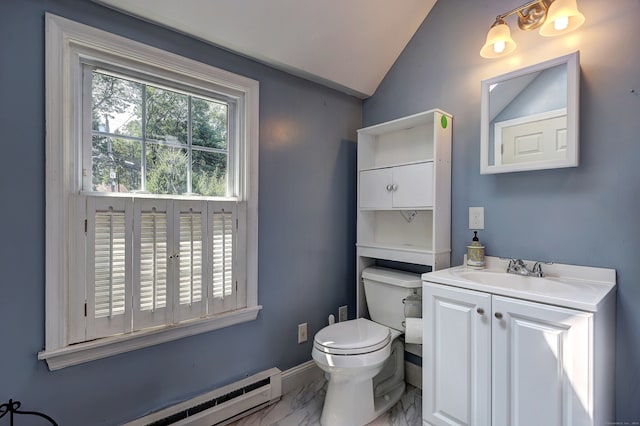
<point x="578" y="287"/>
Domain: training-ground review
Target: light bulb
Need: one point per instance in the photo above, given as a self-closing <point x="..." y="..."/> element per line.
<point x="561" y="23"/>
<point x="499" y="46"/>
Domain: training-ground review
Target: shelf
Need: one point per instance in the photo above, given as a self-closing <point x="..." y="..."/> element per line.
<point x="426" y="117"/>
<point x="402" y="253"/>
<point x="390" y="165"/>
<point x="408" y="248"/>
<point x="394" y="209"/>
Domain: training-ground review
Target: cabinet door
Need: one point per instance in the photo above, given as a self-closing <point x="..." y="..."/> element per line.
<point x="413" y="185"/>
<point x="375" y="188"/>
<point x="540" y="365"/>
<point x="456" y="357"/>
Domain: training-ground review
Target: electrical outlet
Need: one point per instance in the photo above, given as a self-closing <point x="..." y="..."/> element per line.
<point x="302" y="332"/>
<point x="476" y="218"/>
<point x="343" y="313"/>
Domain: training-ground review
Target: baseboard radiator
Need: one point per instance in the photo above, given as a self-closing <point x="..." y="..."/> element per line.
<point x="221" y="406"/>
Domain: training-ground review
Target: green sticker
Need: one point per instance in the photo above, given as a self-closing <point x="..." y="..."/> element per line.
<point x="443" y="121"/>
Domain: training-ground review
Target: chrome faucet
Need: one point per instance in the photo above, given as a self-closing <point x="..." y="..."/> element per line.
<point x="518" y="267"/>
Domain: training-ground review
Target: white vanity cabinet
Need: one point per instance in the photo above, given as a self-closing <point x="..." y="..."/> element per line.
<point x="404" y="193"/>
<point x="494" y="360"/>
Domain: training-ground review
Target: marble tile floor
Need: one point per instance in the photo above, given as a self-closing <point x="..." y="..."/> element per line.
<point x="303" y="406"/>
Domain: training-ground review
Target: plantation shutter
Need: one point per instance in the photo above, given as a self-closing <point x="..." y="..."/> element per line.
<point x="154" y="262"/>
<point x="108" y="266"/>
<point x="152" y="236"/>
<point x="187" y="260"/>
<point x="222" y="217"/>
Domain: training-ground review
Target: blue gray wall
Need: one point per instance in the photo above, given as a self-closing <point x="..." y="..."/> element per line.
<point x="586" y="215"/>
<point x="306" y="240"/>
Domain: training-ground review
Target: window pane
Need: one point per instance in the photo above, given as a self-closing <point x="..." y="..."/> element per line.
<point x="166" y="169"/>
<point x="116" y="105"/>
<point x="167" y="114"/>
<point x="209" y="126"/>
<point x="209" y="173"/>
<point x="116" y="164"/>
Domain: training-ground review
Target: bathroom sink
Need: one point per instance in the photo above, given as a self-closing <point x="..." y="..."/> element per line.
<point x="494" y="278"/>
<point x="503" y="279"/>
<point x="548" y="285"/>
<point x="580" y="287"/>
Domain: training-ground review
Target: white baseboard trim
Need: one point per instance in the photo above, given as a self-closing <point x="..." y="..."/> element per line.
<point x="412" y="374"/>
<point x="300" y="375"/>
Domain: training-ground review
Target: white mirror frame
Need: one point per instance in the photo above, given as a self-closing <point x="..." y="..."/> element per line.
<point x="573" y="106"/>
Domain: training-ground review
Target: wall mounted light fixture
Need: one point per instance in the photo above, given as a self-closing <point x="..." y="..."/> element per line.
<point x="553" y="17"/>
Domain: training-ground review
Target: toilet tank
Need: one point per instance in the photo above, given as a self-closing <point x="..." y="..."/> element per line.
<point x="384" y="290"/>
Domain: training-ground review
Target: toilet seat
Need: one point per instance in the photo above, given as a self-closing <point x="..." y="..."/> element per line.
<point x="355" y="337"/>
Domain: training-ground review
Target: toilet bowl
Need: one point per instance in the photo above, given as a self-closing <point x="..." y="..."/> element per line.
<point x="352" y="364"/>
<point x="364" y="359"/>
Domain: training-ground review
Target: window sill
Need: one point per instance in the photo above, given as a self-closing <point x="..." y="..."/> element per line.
<point x="102" y="348"/>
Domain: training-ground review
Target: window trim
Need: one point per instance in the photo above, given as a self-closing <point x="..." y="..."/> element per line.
<point x="101" y="348"/>
<point x="66" y="43"/>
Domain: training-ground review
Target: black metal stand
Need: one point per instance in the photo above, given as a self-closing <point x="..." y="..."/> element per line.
<point x="12" y="406"/>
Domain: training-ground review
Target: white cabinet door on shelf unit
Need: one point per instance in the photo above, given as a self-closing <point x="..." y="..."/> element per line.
<point x="413" y="185"/>
<point x="375" y="188"/>
<point x="540" y="364"/>
<point x="456" y="356"/>
<point x="407" y="186"/>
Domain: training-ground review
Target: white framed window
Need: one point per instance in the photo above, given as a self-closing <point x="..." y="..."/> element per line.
<point x="151" y="194"/>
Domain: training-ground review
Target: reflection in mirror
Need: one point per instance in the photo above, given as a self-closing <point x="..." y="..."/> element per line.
<point x="525" y="107"/>
<point x="530" y="117"/>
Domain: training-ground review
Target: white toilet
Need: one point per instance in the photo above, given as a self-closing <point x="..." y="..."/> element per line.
<point x="363" y="358"/>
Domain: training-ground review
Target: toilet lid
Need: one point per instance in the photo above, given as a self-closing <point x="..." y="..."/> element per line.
<point x="352" y="337"/>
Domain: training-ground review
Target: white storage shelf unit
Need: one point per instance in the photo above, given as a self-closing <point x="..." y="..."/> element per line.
<point x="404" y="192"/>
<point x="404" y="166"/>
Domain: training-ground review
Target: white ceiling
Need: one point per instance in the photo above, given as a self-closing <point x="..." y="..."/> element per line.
<point x="346" y="44"/>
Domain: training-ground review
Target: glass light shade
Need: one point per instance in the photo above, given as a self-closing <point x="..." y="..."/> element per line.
<point x="561" y="10"/>
<point x="499" y="42"/>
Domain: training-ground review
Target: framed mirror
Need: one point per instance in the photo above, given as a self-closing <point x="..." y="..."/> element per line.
<point x="529" y="117"/>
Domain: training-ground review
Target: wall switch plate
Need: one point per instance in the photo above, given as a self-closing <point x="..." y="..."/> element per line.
<point x="302" y="332"/>
<point x="476" y="217"/>
<point x="343" y="313"/>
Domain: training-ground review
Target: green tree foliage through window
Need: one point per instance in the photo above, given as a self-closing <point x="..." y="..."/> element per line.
<point x="156" y="140"/>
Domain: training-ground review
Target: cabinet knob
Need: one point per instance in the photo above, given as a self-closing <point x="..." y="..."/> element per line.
<point x="394" y="187"/>
<point x="498" y="315"/>
<point x="389" y="187"/>
<point x="480" y="311"/>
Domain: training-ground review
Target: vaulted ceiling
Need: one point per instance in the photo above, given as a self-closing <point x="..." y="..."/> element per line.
<point x="349" y="45"/>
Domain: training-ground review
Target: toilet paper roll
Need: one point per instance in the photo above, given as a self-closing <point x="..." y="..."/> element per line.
<point x="413" y="307"/>
<point x="413" y="330"/>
